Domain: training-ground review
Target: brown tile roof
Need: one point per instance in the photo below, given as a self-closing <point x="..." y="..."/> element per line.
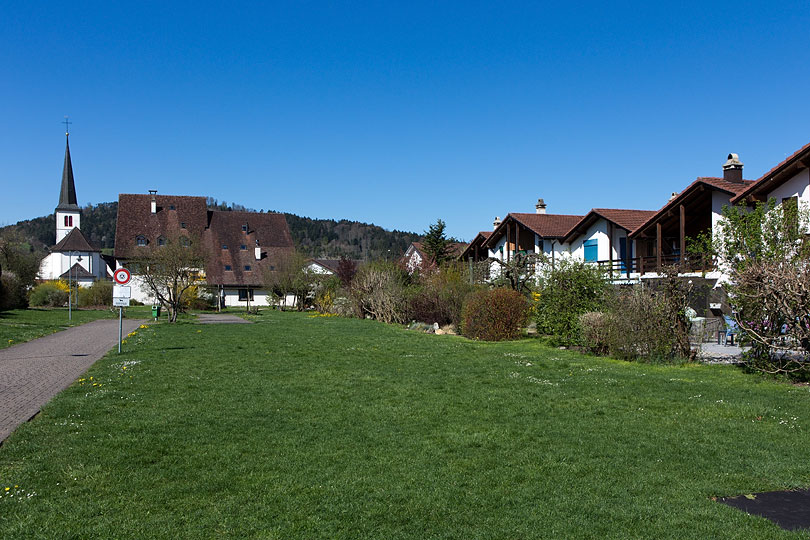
<point x="74" y="241"/>
<point x="479" y="239"/>
<point x="731" y="188"/>
<point x="213" y="228"/>
<point x="628" y="220"/>
<point x="268" y="231"/>
<point x="135" y="218"/>
<point x="546" y="225"/>
<point x="764" y="183"/>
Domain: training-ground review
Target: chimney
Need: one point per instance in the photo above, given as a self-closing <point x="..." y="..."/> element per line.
<point x="732" y="169"/>
<point x="674" y="194"/>
<point x="540" y="206"/>
<point x="153" y="205"/>
<point x="258" y="251"/>
<point x="496" y="223"/>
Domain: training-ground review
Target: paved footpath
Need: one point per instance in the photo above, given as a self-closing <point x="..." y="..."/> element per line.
<point x="32" y="373"/>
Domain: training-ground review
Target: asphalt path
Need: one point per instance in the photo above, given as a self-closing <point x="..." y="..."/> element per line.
<point x="34" y="372"/>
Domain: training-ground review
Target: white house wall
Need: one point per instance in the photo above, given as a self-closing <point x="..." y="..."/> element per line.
<point x="798" y="186"/>
<point x="56" y="264"/>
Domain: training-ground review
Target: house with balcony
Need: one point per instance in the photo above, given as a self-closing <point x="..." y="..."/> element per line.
<point x="539" y="233"/>
<point x="663" y="238"/>
<point x="603" y="237"/>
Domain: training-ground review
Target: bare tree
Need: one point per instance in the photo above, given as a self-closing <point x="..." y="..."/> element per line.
<point x="767" y="254"/>
<point x="290" y="276"/>
<point x="169" y="270"/>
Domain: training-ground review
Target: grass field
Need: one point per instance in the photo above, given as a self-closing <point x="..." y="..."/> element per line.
<point x="19" y="325"/>
<point x="301" y="427"/>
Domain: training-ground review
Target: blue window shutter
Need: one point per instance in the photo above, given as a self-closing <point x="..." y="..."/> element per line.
<point x="591" y="250"/>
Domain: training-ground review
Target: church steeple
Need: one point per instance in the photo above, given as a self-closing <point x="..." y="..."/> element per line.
<point x="67" y="196"/>
<point x="68" y="213"/>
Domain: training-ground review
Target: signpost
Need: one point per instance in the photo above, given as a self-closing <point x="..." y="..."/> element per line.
<point x="121" y="296"/>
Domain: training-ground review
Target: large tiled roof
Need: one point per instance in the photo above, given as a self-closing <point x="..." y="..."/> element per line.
<point x="731" y="188"/>
<point x="267" y="231"/>
<point x="624" y="218"/>
<point x="74" y="241"/>
<point x="764" y="182"/>
<point x="185" y="215"/>
<point x="135" y="218"/>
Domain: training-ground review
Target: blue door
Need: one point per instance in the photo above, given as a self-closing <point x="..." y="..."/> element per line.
<point x="591" y="250"/>
<point x="623" y="255"/>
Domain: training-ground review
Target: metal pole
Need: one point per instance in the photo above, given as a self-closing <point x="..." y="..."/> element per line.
<point x="120" y="328"/>
<point x="70" y="289"/>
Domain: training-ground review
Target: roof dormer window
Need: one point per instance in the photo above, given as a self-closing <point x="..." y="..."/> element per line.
<point x="140" y="240"/>
<point x="244" y="227"/>
<point x="171" y="207"/>
<point x="227" y="267"/>
<point x="161" y="241"/>
<point x="182" y="224"/>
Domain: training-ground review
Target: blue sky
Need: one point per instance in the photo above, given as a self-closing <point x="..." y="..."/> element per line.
<point x="396" y="113"/>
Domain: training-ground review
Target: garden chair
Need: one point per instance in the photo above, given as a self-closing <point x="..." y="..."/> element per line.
<point x="732" y="330"/>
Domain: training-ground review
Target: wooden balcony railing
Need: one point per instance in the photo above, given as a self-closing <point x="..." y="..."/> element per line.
<point x="643" y="265"/>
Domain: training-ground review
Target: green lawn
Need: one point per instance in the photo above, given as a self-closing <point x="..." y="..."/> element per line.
<point x="301" y="427"/>
<point x="19" y="325"/>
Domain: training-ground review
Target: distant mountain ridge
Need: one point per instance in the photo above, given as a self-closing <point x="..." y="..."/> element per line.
<point x="317" y="238"/>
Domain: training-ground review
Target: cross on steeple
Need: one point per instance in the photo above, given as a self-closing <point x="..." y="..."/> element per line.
<point x="67" y="123"/>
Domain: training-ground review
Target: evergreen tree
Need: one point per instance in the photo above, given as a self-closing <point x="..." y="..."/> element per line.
<point x="436" y="243"/>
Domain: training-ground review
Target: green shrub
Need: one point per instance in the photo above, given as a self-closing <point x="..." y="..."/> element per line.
<point x="494" y="315"/>
<point x="48" y="294"/>
<point x="13" y="293"/>
<point x="98" y="294"/>
<point x="642" y="323"/>
<point x="566" y="292"/>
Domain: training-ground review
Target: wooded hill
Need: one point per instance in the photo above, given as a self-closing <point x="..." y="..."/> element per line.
<point x="318" y="238"/>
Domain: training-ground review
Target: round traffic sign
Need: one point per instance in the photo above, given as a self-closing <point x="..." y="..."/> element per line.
<point x="122" y="276"/>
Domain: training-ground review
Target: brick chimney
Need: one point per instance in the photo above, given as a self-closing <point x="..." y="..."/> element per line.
<point x="153" y="204"/>
<point x="732" y="169"/>
<point x="496" y="223"/>
<point x="540" y="206"/>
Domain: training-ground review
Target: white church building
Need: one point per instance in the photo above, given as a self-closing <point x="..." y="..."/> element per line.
<point x="72" y="258"/>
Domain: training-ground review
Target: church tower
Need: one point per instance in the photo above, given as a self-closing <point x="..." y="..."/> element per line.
<point x="68" y="213"/>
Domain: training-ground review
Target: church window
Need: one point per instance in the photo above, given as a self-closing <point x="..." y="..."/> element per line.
<point x="140" y="240"/>
<point x="68" y="221"/>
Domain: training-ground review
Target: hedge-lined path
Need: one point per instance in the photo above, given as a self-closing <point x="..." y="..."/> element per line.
<point x="32" y="373"/>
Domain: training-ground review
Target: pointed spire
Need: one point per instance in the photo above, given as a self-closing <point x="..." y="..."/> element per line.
<point x="67" y="196"/>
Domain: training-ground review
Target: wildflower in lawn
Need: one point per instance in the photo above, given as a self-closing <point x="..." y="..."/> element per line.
<point x="11" y="341"/>
<point x="143" y="326"/>
<point x="8" y="488"/>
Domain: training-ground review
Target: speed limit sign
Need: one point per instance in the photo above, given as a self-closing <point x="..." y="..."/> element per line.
<point x="122" y="276"/>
